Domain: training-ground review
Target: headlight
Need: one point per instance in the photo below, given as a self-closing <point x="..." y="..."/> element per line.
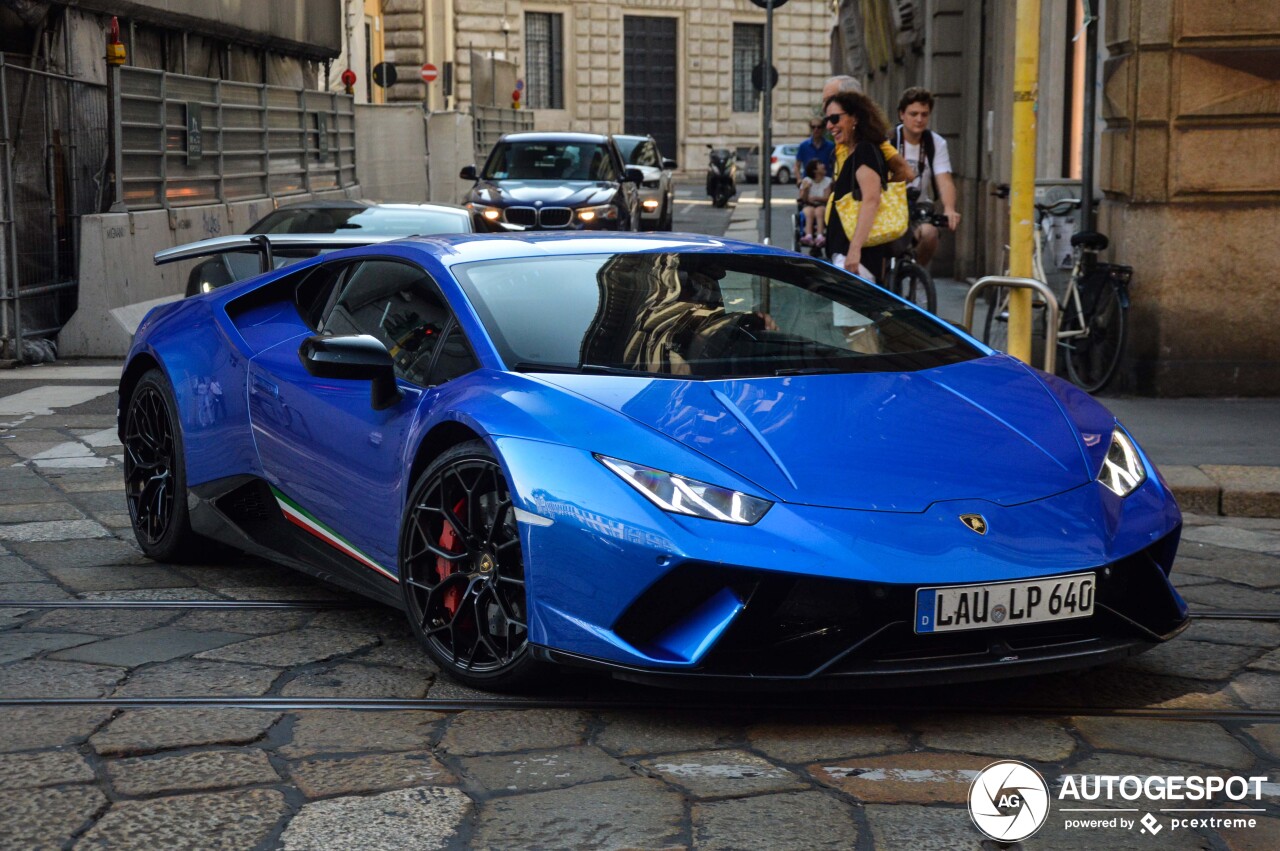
<point x="650" y="204"/>
<point x="1122" y="470"/>
<point x="604" y="211"/>
<point x="688" y="496"/>
<point x="490" y="214"/>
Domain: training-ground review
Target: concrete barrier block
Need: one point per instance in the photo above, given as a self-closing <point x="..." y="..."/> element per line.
<point x="242" y="214"/>
<point x="1195" y="491"/>
<point x="1247" y="491"/>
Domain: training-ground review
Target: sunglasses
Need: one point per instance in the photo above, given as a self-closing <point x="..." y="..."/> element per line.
<point x="834" y="118"/>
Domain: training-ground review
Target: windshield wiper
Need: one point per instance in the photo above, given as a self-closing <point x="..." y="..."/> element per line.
<point x="594" y="368"/>
<point x="807" y="370"/>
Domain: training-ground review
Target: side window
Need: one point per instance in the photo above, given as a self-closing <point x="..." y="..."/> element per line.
<point x="647" y="155"/>
<point x="400" y="305"/>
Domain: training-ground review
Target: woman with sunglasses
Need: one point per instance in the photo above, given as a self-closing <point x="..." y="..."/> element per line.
<point x="858" y="124"/>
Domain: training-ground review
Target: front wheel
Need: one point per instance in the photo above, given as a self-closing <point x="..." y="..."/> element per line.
<point x="914" y="283"/>
<point x="155" y="475"/>
<point x="784" y="175"/>
<point x="462" y="571"/>
<point x="1092" y="356"/>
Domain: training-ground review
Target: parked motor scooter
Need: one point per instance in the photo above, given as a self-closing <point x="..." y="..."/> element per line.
<point x="722" y="175"/>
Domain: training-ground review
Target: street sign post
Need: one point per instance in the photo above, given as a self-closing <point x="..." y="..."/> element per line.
<point x="384" y="74"/>
<point x="766" y="119"/>
<point x="429" y="73"/>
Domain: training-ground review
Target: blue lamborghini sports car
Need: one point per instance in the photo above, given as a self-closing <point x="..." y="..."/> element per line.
<point x="671" y="457"/>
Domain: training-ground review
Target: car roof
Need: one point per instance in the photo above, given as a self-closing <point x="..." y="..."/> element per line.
<point x="554" y="137"/>
<point x="345" y="204"/>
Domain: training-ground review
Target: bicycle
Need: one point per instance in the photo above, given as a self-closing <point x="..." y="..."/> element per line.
<point x="904" y="276"/>
<point x="1093" y="317"/>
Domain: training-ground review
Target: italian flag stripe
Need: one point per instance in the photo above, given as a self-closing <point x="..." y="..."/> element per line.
<point x="300" y="517"/>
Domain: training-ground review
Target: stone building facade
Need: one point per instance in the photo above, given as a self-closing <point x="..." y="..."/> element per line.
<point x="1187" y="161"/>
<point x="682" y="64"/>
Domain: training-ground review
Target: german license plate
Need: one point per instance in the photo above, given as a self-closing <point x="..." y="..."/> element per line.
<point x="952" y="608"/>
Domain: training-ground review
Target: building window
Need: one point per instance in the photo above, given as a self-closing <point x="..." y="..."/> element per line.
<point x="748" y="52"/>
<point x="544" y="60"/>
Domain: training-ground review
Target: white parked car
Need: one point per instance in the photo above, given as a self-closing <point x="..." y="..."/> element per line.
<point x="657" y="190"/>
<point x="782" y="163"/>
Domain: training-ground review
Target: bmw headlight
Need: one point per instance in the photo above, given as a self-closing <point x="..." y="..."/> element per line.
<point x="599" y="213"/>
<point x="1122" y="470"/>
<point x="489" y="214"/>
<point x="681" y="495"/>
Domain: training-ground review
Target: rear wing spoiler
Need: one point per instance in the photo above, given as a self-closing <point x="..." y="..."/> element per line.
<point x="264" y="245"/>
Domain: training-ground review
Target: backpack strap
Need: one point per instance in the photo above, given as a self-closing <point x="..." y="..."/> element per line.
<point x="926" y="157"/>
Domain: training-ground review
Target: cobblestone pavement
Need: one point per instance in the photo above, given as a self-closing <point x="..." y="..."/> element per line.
<point x="129" y="728"/>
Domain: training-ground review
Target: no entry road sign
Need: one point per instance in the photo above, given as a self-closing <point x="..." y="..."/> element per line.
<point x="429" y="73"/>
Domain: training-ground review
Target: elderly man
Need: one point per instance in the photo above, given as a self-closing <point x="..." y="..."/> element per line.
<point x="898" y="167"/>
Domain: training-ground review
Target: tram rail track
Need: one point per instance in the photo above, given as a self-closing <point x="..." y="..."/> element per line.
<point x="455" y="705"/>
<point x="1211" y="614"/>
<point x="668" y="703"/>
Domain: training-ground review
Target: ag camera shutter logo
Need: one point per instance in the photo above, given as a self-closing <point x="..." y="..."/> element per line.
<point x="1008" y="801"/>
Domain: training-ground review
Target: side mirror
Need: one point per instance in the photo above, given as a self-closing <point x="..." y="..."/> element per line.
<point x="668" y="163"/>
<point x="634" y="175"/>
<point x="468" y="173"/>
<point x="358" y="357"/>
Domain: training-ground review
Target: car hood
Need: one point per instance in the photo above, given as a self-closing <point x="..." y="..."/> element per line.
<point x="983" y="429"/>
<point x="568" y="193"/>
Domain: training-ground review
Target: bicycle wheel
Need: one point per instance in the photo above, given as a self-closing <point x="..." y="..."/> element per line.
<point x="1092" y="357"/>
<point x="914" y="283"/>
<point x="995" y="329"/>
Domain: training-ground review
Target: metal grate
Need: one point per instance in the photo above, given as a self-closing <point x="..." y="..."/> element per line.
<point x="254" y="141"/>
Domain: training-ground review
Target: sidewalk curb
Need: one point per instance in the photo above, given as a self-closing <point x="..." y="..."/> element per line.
<point x="1225" y="490"/>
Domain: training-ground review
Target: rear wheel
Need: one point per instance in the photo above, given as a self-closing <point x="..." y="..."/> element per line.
<point x="784" y="175"/>
<point x="914" y="283"/>
<point x="1092" y="357"/>
<point x="462" y="571"/>
<point x="155" y="476"/>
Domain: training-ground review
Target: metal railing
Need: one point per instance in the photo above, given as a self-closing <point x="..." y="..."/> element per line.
<point x="185" y="140"/>
<point x="1050" y="305"/>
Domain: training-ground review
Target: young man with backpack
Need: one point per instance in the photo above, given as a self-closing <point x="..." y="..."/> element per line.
<point x="926" y="152"/>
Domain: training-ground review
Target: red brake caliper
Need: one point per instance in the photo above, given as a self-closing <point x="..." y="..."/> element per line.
<point x="450" y="542"/>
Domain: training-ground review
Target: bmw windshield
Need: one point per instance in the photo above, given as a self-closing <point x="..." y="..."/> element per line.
<point x="549" y="161"/>
<point x="699" y="315"/>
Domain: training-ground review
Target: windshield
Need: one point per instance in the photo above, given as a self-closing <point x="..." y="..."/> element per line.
<point x="549" y="161"/>
<point x="627" y="146"/>
<point x="699" y="315"/>
<point x="381" y="221"/>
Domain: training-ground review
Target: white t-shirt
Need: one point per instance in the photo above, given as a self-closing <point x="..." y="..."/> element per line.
<point x="941" y="164"/>
<point x="817" y="189"/>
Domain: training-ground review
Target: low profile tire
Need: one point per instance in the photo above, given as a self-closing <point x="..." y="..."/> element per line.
<point x="462" y="571"/>
<point x="155" y="476"/>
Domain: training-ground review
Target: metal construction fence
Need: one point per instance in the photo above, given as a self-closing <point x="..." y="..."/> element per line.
<point x="149" y="140"/>
<point x="493" y="121"/>
<point x="53" y="154"/>
<point x="187" y="140"/>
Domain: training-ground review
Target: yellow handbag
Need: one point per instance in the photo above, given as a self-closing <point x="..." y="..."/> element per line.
<point x="892" y="217"/>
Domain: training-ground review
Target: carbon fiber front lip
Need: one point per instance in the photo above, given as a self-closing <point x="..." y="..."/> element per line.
<point x="906" y="674"/>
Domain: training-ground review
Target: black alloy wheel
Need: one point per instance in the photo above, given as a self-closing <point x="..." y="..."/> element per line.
<point x="462" y="570"/>
<point x="155" y="481"/>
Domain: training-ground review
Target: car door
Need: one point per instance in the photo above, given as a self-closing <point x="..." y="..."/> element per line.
<point x="629" y="193"/>
<point x="337" y="465"/>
